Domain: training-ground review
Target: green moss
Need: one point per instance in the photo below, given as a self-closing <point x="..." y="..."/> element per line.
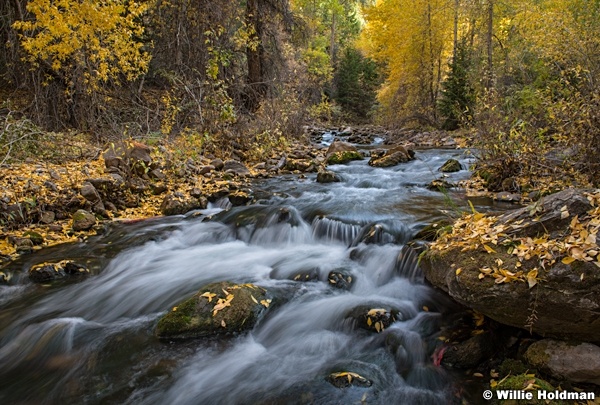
<point x="512" y="366"/>
<point x="196" y="316"/>
<point x="343" y="157"/>
<point x="522" y="381"/>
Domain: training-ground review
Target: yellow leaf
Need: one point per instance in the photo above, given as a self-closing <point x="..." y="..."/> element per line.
<point x="253" y="299"/>
<point x="488" y="249"/>
<point x="174" y="309"/>
<point x="378" y="327"/>
<point x="265" y="303"/>
<point x="223" y="324"/>
<point x="458" y="271"/>
<point x="369" y="321"/>
<point x="568" y="260"/>
<point x="209" y="296"/>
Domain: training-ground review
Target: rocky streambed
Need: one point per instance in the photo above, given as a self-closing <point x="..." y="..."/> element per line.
<point x="309" y="294"/>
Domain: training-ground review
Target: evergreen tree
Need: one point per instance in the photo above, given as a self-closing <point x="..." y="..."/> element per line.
<point x="457" y="99"/>
<point x="357" y="81"/>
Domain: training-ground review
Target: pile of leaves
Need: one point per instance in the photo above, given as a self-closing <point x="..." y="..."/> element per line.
<point x="477" y="231"/>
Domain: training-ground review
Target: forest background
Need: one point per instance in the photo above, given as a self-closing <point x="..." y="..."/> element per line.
<point x="521" y="77"/>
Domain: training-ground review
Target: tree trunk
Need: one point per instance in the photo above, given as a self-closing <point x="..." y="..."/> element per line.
<point x="489" y="39"/>
<point x="256" y="85"/>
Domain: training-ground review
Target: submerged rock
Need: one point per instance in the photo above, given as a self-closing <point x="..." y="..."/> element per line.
<point x="218" y="308"/>
<point x="575" y="362"/>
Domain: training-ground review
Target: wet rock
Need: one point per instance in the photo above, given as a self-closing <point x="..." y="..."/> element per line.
<point x="439" y="185"/>
<point x="218" y="308"/>
<point x="235" y="167"/>
<point x="46" y="272"/>
<point x="471" y="352"/>
<point x="327" y="177"/>
<point x="374" y="319"/>
<point x="177" y="204"/>
<point x="566" y="301"/>
<point x="451" y="166"/>
<point x="393" y="157"/>
<point x="83" y="220"/>
<point x="239" y="197"/>
<point x="574" y="362"/>
<point x="218" y="194"/>
<point x="340" y="279"/>
<point x="345" y="379"/>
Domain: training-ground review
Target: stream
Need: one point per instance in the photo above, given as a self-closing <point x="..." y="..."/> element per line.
<point x="92" y="341"/>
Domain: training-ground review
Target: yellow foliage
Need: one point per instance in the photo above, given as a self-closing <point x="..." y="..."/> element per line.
<point x="477" y="231"/>
<point x="100" y="39"/>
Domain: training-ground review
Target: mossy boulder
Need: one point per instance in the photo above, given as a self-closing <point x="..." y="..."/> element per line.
<point x="341" y="153"/>
<point x="451" y="166"/>
<point x="571" y="361"/>
<point x="527" y="383"/>
<point x="218" y="308"/>
<point x="339" y="158"/>
<point x="564" y="304"/>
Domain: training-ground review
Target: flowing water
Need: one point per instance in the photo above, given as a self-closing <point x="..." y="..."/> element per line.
<point x="92" y="341"/>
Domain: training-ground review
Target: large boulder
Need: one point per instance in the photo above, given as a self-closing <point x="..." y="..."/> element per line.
<point x="575" y="362"/>
<point x="392" y="157"/>
<point x="565" y="302"/>
<point x="218" y="308"/>
<point x="342" y="152"/>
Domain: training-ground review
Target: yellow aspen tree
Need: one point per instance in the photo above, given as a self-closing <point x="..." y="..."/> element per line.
<point x="414" y="40"/>
<point x="86" y="43"/>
